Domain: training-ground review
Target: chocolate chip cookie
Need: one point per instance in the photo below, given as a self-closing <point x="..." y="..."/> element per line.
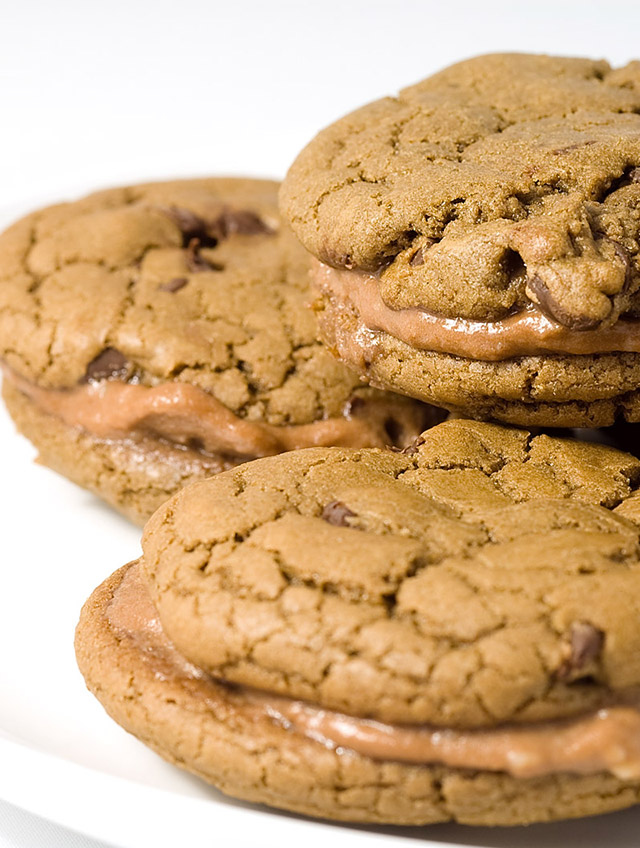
<point x="447" y="632"/>
<point x="478" y="236"/>
<point x="158" y="334"/>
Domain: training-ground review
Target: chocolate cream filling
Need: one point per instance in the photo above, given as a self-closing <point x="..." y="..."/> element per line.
<point x="604" y="740"/>
<point x="526" y="333"/>
<point x="185" y="415"/>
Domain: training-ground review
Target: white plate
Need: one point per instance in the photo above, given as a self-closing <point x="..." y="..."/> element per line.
<point x="62" y="757"/>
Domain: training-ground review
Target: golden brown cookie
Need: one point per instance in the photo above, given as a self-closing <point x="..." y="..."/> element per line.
<point x="478" y="238"/>
<point x="450" y="632"/>
<point x="160" y="333"/>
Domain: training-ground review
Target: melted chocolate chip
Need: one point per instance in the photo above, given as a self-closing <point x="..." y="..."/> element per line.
<point x="585" y="642"/>
<point x="554" y="310"/>
<point x="107" y="365"/>
<point x="196" y="262"/>
<point x="336" y="512"/>
<point x="173" y="285"/>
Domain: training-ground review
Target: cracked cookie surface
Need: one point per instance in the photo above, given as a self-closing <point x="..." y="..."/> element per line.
<point x="116" y="270"/>
<point x="482" y="585"/>
<point x="176" y="303"/>
<point x="500" y="180"/>
<point x="482" y="576"/>
<point x="503" y="186"/>
<point x="219" y="739"/>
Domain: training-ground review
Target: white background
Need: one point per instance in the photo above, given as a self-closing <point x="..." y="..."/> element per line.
<point x="93" y="94"/>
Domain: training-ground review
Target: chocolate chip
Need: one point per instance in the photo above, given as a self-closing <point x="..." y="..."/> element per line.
<point x="584" y="644"/>
<point x="554" y="310"/>
<point x="241" y="222"/>
<point x="210" y="231"/>
<point x="196" y="262"/>
<point x="337" y="513"/>
<point x="173" y="285"/>
<point x="192" y="226"/>
<point x="108" y="364"/>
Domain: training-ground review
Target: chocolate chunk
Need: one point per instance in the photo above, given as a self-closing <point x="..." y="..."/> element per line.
<point x="336" y="512"/>
<point x="173" y="285"/>
<point x="107" y="365"/>
<point x="550" y="307"/>
<point x="241" y="222"/>
<point x="196" y="262"/>
<point x="192" y="227"/>
<point x="585" y="642"/>
<point x="210" y="231"/>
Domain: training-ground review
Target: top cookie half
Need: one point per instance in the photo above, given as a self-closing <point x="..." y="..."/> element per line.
<point x="490" y="213"/>
<point x="155" y="334"/>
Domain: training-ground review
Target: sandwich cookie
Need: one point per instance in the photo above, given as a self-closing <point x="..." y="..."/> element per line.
<point x="450" y="632"/>
<point x="158" y="334"/>
<point x="477" y="239"/>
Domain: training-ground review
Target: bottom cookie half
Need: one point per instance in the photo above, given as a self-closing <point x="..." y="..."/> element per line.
<point x="218" y="736"/>
<point x="529" y="391"/>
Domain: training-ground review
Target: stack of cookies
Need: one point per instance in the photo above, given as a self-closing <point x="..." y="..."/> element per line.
<point x="348" y="606"/>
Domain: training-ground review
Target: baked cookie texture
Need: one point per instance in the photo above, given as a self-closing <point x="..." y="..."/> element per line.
<point x="505" y="187"/>
<point x="479" y="587"/>
<point x="160" y="333"/>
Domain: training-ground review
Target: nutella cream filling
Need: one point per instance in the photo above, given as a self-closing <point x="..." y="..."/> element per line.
<point x="186" y="415"/>
<point x="526" y="333"/>
<point x="605" y="740"/>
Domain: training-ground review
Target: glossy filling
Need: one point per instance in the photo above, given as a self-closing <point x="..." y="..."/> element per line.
<point x="188" y="416"/>
<point x="526" y="333"/>
<point x="605" y="740"/>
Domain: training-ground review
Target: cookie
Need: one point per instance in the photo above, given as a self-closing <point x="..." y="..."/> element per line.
<point x="448" y="632"/>
<point x="477" y="239"/>
<point x="158" y="334"/>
